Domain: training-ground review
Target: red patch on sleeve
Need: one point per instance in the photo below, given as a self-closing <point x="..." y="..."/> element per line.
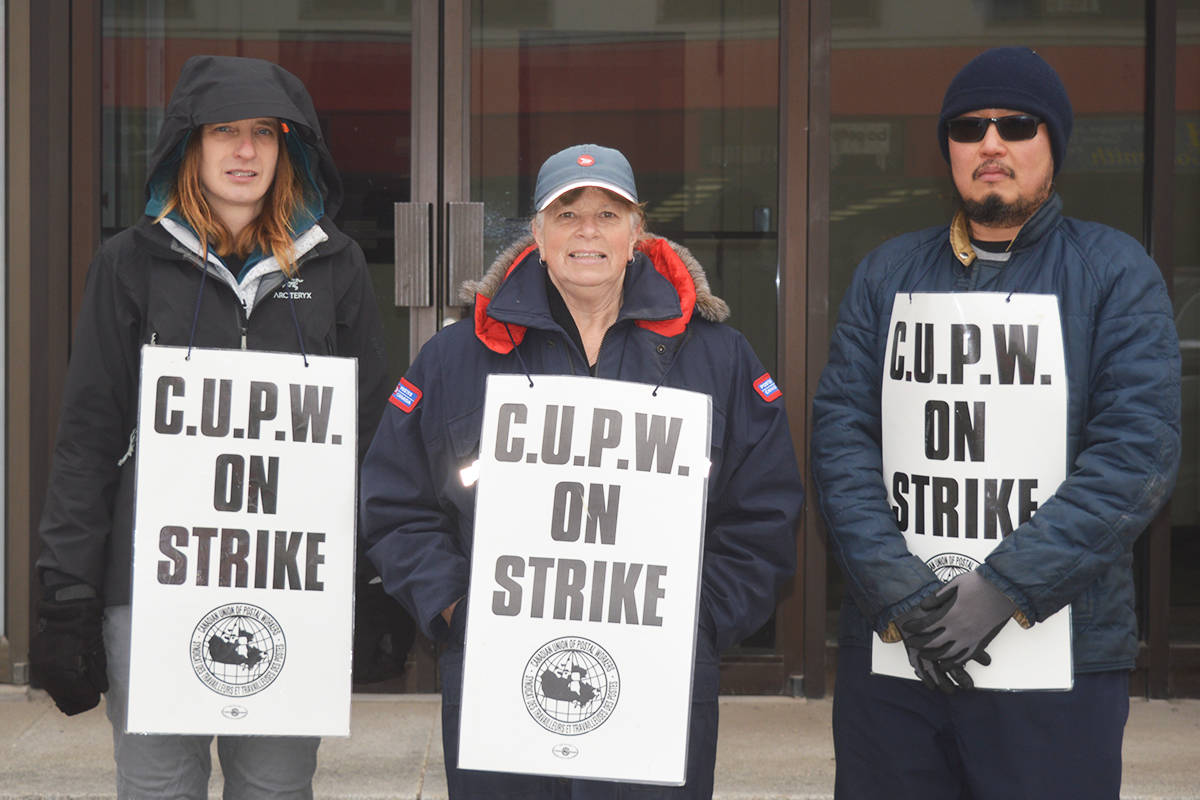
<point x="766" y="388"/>
<point x="406" y="396"/>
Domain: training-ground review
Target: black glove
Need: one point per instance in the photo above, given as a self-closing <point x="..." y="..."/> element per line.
<point x="963" y="617"/>
<point x="67" y="653"/>
<point x="934" y="675"/>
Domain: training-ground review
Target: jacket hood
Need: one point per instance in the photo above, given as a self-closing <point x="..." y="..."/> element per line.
<point x="225" y="88"/>
<point x="672" y="261"/>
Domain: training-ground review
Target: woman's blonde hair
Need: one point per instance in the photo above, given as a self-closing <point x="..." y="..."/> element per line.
<point x="271" y="231"/>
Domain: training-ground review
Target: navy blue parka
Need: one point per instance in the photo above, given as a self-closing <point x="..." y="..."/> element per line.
<point x="1123" y="365"/>
<point x="418" y="517"/>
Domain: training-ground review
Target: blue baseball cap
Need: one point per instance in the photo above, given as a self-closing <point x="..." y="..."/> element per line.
<point x="584" y="165"/>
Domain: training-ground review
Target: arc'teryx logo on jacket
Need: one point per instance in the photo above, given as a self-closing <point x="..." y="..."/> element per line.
<point x="293" y="285"/>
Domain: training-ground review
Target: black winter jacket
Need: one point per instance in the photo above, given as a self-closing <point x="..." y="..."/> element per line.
<point x="143" y="287"/>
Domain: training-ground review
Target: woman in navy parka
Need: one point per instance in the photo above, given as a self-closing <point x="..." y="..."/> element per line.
<point x="589" y="295"/>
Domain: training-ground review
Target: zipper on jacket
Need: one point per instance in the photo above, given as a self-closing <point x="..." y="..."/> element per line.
<point x="569" y="350"/>
<point x="599" y="351"/>
<point x="243" y="311"/>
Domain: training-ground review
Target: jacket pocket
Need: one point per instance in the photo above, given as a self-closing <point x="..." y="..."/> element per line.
<point x="463" y="434"/>
<point x="462" y="438"/>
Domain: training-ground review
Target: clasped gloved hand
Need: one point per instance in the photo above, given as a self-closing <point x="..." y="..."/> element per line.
<point x="67" y="653"/>
<point x="935" y="676"/>
<point x="961" y="620"/>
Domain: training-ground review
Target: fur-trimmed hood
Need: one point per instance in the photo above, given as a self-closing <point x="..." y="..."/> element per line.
<point x="708" y="305"/>
<point x="672" y="261"/>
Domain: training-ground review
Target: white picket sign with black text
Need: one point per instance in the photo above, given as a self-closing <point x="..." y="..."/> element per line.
<point x="243" y="543"/>
<point x="974" y="403"/>
<point x="585" y="579"/>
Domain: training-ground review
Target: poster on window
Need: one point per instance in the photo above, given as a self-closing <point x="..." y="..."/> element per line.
<point x="974" y="441"/>
<point x="585" y="579"/>
<point x="244" y="530"/>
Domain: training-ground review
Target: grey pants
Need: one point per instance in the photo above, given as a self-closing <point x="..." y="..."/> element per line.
<point x="178" y="766"/>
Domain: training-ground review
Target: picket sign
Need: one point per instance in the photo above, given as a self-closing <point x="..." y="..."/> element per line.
<point x="585" y="579"/>
<point x="974" y="442"/>
<point x="244" y="529"/>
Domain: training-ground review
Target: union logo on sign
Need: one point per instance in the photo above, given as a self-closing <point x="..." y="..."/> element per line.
<point x="948" y="566"/>
<point x="237" y="650"/>
<point x="571" y="686"/>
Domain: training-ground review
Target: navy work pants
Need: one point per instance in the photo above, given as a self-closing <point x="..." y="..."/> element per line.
<point x="895" y="739"/>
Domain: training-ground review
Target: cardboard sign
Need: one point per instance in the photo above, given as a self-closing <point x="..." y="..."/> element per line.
<point x="974" y="440"/>
<point x="585" y="579"/>
<point x="243" y="565"/>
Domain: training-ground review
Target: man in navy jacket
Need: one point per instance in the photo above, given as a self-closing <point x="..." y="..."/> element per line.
<point x="1004" y="127"/>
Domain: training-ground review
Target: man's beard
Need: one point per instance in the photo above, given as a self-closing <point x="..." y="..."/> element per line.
<point x="993" y="212"/>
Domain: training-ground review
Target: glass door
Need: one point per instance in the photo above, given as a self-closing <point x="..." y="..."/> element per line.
<point x="689" y="91"/>
<point x="439" y="113"/>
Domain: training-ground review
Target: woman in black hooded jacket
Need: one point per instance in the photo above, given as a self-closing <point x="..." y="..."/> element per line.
<point x="236" y="250"/>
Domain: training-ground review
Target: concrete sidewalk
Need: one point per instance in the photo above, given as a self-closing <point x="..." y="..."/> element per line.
<point x="770" y="748"/>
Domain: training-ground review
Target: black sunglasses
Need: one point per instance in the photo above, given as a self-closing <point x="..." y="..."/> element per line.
<point x="1013" y="128"/>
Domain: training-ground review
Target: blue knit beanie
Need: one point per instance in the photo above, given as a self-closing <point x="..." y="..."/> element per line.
<point x="1016" y="78"/>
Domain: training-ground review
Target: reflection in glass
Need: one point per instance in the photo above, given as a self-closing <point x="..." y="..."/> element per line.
<point x="355" y="59"/>
<point x="687" y="90"/>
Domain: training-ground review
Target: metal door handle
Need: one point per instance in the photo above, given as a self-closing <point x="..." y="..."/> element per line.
<point x="413" y="242"/>
<point x="464" y="247"/>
